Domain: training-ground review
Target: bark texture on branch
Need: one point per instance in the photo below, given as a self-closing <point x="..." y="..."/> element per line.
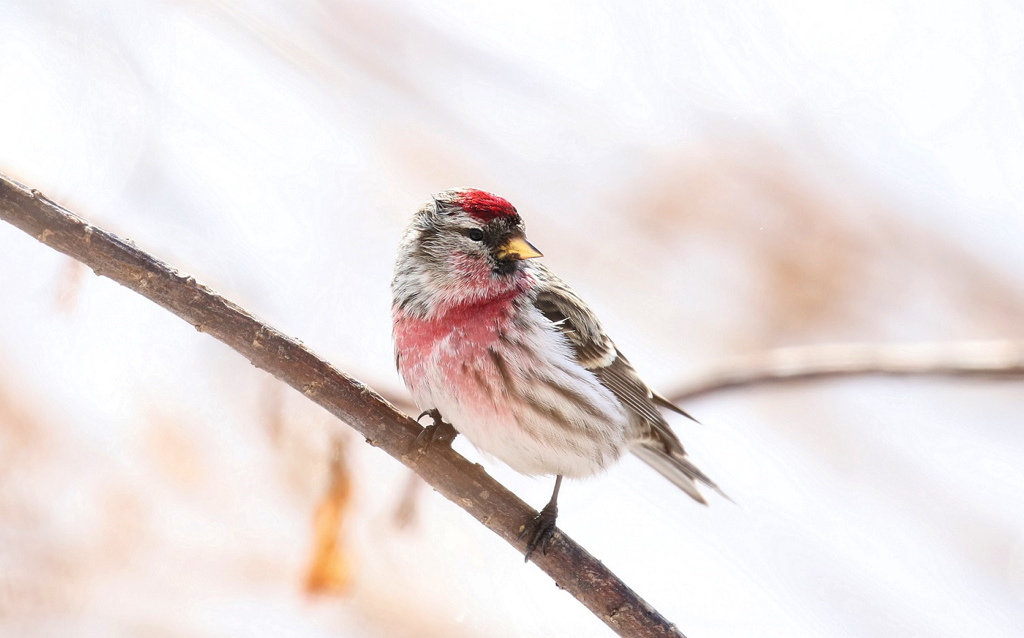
<point x="465" y="484"/>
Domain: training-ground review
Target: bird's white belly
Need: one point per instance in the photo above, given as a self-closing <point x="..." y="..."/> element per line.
<point x="539" y="415"/>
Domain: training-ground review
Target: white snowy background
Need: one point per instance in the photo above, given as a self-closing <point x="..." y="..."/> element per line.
<point x="716" y="178"/>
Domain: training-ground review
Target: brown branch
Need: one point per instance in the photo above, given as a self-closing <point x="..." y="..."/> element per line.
<point x="464" y="483"/>
<point x="809" y="363"/>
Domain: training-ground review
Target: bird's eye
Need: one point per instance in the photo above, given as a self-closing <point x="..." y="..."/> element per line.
<point x="475" y="234"/>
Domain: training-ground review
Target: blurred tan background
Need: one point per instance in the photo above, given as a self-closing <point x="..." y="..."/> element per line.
<point x="714" y="178"/>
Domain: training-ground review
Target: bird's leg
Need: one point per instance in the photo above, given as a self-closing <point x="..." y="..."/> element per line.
<point x="437" y="432"/>
<point x="540" y="530"/>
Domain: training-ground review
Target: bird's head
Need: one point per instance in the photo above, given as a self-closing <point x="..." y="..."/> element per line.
<point x="473" y="230"/>
<point x="464" y="242"/>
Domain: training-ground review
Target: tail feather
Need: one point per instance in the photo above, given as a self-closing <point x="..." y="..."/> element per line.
<point x="678" y="469"/>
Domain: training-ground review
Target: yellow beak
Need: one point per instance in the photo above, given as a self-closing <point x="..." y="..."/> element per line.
<point x="517" y="248"/>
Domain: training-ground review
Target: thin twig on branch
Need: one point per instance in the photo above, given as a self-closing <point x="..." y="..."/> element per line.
<point x="458" y="480"/>
<point x="1003" y="358"/>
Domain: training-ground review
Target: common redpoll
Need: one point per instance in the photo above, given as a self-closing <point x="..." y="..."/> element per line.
<point x="503" y="351"/>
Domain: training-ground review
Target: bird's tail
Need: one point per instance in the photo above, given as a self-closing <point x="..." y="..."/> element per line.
<point x="676" y="468"/>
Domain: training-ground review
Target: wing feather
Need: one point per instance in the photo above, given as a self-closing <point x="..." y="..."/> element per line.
<point x="657" y="444"/>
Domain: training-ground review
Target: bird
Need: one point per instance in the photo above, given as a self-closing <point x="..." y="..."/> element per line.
<point x="494" y="346"/>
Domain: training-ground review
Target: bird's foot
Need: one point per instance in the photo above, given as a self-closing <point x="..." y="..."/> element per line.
<point x="540" y="530"/>
<point x="437" y="432"/>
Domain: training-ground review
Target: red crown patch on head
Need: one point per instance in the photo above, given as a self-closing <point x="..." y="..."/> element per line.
<point x="485" y="206"/>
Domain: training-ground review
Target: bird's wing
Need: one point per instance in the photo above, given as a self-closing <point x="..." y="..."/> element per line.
<point x="658" y="445"/>
<point x="595" y="351"/>
<point x="668" y="405"/>
<point x="560" y="305"/>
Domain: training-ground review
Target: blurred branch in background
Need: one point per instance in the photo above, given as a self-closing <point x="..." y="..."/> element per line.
<point x="329" y="570"/>
<point x="999" y="358"/>
<point x="458" y="480"/>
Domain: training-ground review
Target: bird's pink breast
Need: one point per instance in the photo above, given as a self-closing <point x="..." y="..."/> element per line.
<point x="452" y="342"/>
